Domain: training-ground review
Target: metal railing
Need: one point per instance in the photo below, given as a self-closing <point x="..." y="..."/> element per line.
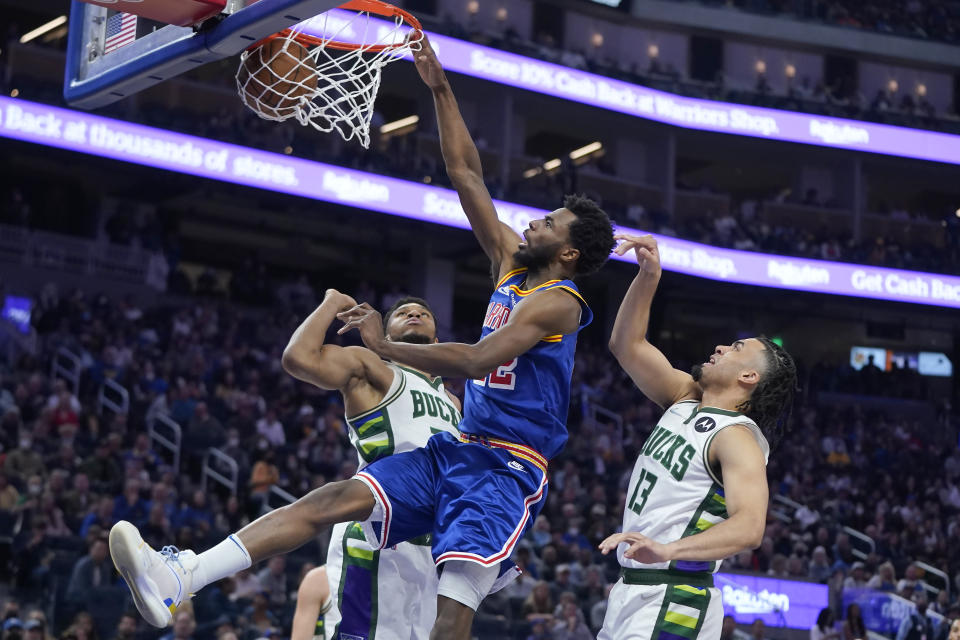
<point x="601" y="415"/>
<point x="863" y="538"/>
<point x="783" y="508"/>
<point x="172" y="442"/>
<point x="282" y="494"/>
<point x="114" y="397"/>
<point x="67" y="366"/>
<point x="931" y="570"/>
<point x="229" y="480"/>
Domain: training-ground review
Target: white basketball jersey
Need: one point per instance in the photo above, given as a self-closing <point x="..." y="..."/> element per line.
<point x="673" y="492"/>
<point x="413" y="409"/>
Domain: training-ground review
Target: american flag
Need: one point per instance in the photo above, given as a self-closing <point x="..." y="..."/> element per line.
<point x="121" y="30"/>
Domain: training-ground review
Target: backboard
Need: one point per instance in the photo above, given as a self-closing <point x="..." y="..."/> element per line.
<point x="111" y="54"/>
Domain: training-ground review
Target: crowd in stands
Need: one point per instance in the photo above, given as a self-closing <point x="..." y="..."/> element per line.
<point x="924" y="19"/>
<point x="68" y="471"/>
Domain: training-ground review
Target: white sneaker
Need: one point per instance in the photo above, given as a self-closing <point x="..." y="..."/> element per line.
<point x="159" y="581"/>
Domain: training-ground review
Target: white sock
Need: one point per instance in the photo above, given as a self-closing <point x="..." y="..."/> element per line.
<point x="222" y="561"/>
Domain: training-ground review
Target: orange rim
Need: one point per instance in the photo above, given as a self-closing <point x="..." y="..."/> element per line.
<point x="377" y="7"/>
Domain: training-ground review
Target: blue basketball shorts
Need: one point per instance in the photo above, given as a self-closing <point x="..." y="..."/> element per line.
<point x="475" y="495"/>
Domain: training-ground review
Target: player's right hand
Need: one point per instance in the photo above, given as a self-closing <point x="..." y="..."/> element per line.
<point x="645" y="248"/>
<point x="341" y="301"/>
<point x="429" y="66"/>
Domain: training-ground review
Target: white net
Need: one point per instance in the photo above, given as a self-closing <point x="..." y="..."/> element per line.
<point x="297" y="75"/>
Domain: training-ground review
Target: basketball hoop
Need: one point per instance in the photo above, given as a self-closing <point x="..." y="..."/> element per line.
<point x="325" y="72"/>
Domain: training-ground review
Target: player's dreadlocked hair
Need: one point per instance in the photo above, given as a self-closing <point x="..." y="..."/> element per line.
<point x="771" y="402"/>
<point x="399" y="303"/>
<point x="591" y="233"/>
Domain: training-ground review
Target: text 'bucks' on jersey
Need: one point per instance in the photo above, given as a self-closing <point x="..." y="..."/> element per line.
<point x="525" y="401"/>
<point x="673" y="492"/>
<point x="414" y="409"/>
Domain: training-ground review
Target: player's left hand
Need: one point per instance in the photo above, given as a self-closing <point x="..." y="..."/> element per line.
<point x="642" y="549"/>
<point x="365" y="319"/>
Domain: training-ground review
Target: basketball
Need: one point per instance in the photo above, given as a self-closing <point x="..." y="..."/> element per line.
<point x="274" y="76"/>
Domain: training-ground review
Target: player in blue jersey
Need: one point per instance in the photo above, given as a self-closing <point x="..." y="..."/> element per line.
<point x="475" y="494"/>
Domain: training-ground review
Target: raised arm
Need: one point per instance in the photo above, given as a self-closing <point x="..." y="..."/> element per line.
<point x="330" y="366"/>
<point x="544" y="313"/>
<point x="744" y="471"/>
<point x="644" y="363"/>
<point x="462" y="160"/>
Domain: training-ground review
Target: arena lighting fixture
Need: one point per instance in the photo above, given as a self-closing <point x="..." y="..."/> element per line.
<point x="550" y="165"/>
<point x="390" y="127"/>
<point x="653" y="51"/>
<point x="957" y="212"/>
<point x="532" y="173"/>
<point x="760" y="66"/>
<point x="42" y="29"/>
<point x="586" y="150"/>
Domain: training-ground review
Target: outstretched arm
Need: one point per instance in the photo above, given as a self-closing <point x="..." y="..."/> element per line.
<point x="330" y="366"/>
<point x="545" y="313"/>
<point x="746" y="493"/>
<point x="462" y="160"/>
<point x="646" y="365"/>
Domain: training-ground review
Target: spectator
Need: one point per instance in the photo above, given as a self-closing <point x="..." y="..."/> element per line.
<point x="130" y="506"/>
<point x="917" y="626"/>
<point x="127" y="627"/>
<point x="269" y="427"/>
<point x="91" y="572"/>
<point x="570" y="624"/>
<point x="539" y="604"/>
<point x="729" y="631"/>
<point x="102" y="470"/>
<point x="884" y="579"/>
<point x="758" y="630"/>
<point x="101" y="516"/>
<point x="183" y="626"/>
<point x="273" y="579"/>
<point x="820" y="569"/>
<point x="824" y="628"/>
<point x="854" y="627"/>
<point x="856" y="579"/>
<point x="908" y="585"/>
<point x="24" y="461"/>
<point x="9" y="496"/>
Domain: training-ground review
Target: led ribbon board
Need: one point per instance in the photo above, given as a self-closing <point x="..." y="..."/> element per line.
<point x="692" y="113"/>
<point x="148" y="146"/>
<point x="779" y="603"/>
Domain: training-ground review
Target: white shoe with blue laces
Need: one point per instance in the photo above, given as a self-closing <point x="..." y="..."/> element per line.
<point x="159" y="580"/>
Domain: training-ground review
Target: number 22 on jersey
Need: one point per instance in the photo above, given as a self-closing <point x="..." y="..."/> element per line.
<point x="502" y="378"/>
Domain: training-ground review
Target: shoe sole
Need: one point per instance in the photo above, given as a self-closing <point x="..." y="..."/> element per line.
<point x="125" y="548"/>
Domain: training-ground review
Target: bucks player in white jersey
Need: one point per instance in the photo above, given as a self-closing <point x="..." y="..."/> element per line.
<point x="698" y="492"/>
<point x="390" y="594"/>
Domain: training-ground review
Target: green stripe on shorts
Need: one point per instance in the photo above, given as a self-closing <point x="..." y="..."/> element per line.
<point x="682" y="613"/>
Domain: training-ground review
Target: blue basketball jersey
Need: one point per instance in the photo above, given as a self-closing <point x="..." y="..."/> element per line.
<point x="525" y="401"/>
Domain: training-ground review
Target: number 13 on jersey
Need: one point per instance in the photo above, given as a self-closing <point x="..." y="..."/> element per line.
<point x="502" y="378"/>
